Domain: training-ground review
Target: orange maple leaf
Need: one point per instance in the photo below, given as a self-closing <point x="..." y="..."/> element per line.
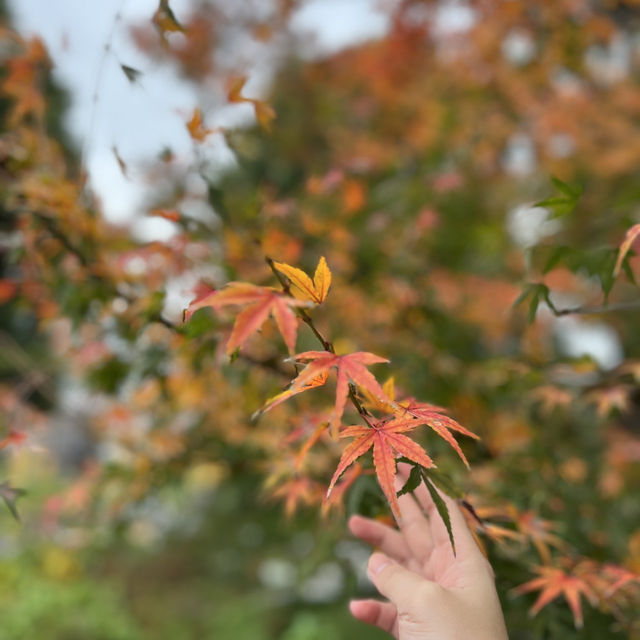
<point x="196" y="127"/>
<point x="349" y="367"/>
<point x="295" y="491"/>
<point x="625" y="247"/>
<point x="261" y="301"/>
<point x="168" y="214"/>
<point x="529" y="527"/>
<point x="318" y="381"/>
<point x="308" y="444"/>
<point x="539" y="531"/>
<point x="264" y="112"/>
<point x="385" y="436"/>
<point x="434" y="417"/>
<point x="554" y="582"/>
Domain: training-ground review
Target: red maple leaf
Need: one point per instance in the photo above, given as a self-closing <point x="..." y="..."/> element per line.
<point x="554" y="582"/>
<point x="385" y="436"/>
<point x="14" y="437"/>
<point x="349" y="367"/>
<point x="434" y="417"/>
<point x="261" y="301"/>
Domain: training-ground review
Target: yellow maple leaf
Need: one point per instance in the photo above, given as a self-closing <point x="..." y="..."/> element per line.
<point x="196" y="127"/>
<point x="303" y="286"/>
<point x="373" y="402"/>
<point x="264" y="111"/>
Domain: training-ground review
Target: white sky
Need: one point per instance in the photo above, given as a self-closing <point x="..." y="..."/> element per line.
<point x="140" y="120"/>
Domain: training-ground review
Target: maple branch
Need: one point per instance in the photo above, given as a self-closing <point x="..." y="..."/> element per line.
<point x="53" y="229"/>
<point x="327" y="344"/>
<point x="620" y="306"/>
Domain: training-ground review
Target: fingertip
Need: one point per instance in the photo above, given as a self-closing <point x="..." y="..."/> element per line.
<point x="356" y="607"/>
<point x="356" y="523"/>
<point x="380" y="614"/>
<point x="364" y="610"/>
<point x="377" y="562"/>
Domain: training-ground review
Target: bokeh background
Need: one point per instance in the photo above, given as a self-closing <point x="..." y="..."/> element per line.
<point x="468" y="169"/>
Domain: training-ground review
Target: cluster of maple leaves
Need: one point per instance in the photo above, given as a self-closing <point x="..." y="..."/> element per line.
<point x="385" y="433"/>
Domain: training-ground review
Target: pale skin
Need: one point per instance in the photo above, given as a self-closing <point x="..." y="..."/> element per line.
<point x="431" y="594"/>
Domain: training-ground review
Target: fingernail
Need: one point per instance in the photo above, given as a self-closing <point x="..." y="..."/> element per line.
<point x="377" y="562"/>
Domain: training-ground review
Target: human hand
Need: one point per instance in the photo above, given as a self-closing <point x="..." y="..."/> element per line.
<point x="432" y="593"/>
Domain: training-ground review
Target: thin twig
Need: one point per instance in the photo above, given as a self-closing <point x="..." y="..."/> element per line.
<point x="620" y="306"/>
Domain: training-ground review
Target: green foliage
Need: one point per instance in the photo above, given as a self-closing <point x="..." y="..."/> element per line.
<point x="33" y="606"/>
<point x="564" y="203"/>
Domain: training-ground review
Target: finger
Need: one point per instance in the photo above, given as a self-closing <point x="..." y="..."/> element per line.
<point x="415" y="527"/>
<point x="380" y="535"/>
<point x="380" y="614"/>
<point x="408" y="591"/>
<point x="465" y="544"/>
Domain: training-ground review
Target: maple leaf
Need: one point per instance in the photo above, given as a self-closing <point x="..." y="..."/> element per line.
<point x="495" y="532"/>
<point x="618" y="578"/>
<point x="264" y="112"/>
<point x="297" y="490"/>
<point x="132" y="74"/>
<point x="168" y="214"/>
<point x="387" y="439"/>
<point x="554" y="582"/>
<point x="433" y="416"/>
<point x="196" y="127"/>
<point x="165" y="20"/>
<point x="529" y="525"/>
<point x="14" y="437"/>
<point x="610" y="398"/>
<point x="318" y="381"/>
<point x="351" y="366"/>
<point x="372" y="402"/>
<point x="261" y="301"/>
<point x="550" y="397"/>
<point x="538" y="530"/>
<point x="315" y="290"/>
<point x="347" y="480"/>
<point x="308" y="444"/>
<point x="124" y="169"/>
<point x="625" y="247"/>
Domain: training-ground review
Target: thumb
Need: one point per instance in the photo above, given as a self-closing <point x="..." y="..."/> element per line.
<point x="408" y="591"/>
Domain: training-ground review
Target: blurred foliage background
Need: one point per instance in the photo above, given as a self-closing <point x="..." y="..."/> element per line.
<point x="155" y="507"/>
